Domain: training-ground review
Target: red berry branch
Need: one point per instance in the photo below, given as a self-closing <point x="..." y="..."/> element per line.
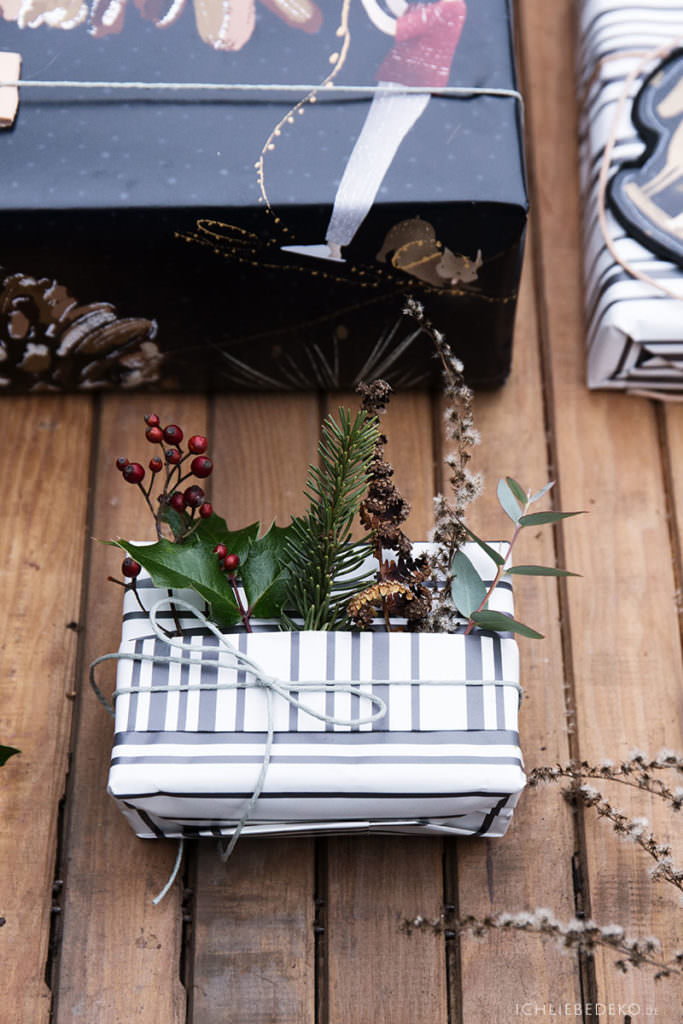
<point x="229" y="563"/>
<point x="190" y="502"/>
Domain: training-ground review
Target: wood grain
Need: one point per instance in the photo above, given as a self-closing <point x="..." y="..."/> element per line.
<point x="44" y="472"/>
<point x="254" y="945"/>
<point x="671" y="421"/>
<point x="120" y="954"/>
<point x="625" y="644"/>
<point x="613" y="639"/>
<point x="505" y="875"/>
<point x="254" y="941"/>
<point x="375" y="969"/>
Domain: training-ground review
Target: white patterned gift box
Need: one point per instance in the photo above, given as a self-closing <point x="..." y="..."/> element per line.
<point x="443" y="759"/>
<point x="634" y="330"/>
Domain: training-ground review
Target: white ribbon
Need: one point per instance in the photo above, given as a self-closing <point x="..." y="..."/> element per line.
<point x="239" y="87"/>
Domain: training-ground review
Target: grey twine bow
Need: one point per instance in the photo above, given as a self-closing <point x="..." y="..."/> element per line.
<point x="233" y="659"/>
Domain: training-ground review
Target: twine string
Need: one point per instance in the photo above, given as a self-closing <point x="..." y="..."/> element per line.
<point x="174" y="873"/>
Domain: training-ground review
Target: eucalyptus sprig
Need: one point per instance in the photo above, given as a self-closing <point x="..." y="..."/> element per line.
<point x="470" y="594"/>
<point x="321" y="557"/>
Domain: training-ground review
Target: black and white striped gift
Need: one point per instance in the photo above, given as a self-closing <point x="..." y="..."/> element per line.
<point x="444" y="758"/>
<point x="635" y="331"/>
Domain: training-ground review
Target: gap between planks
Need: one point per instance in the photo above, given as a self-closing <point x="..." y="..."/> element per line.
<point x="626" y="628"/>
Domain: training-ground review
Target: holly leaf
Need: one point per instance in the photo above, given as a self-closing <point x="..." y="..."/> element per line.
<point x="517" y="490"/>
<point x="468" y="588"/>
<point x="178" y="521"/>
<point x="501" y="623"/>
<point x="507" y="500"/>
<point x="6" y="753"/>
<point x="214" y="530"/>
<point x="264" y="575"/>
<point x="538" y="570"/>
<point x="539" y="518"/>
<point x="491" y="552"/>
<point x="190" y="564"/>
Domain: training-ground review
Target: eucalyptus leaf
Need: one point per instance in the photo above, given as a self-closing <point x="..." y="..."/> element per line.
<point x="501" y="623"/>
<point x="507" y="500"/>
<point x="491" y="552"/>
<point x="543" y="491"/>
<point x="517" y="490"/>
<point x="538" y="570"/>
<point x="540" y="518"/>
<point x="468" y="588"/>
<point x="6" y="753"/>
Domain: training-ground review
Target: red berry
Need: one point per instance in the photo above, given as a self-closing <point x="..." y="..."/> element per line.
<point x="154" y="435"/>
<point x="197" y="444"/>
<point x="202" y="466"/>
<point x="152" y="420"/>
<point x="130" y="568"/>
<point x="220" y="550"/>
<point x="230" y="562"/>
<point x="155" y="464"/>
<point x="133" y="473"/>
<point x="194" y="496"/>
<point x="121" y="463"/>
<point x="177" y="502"/>
<point x="173" y="456"/>
<point x="173" y="434"/>
<point x="206" y="510"/>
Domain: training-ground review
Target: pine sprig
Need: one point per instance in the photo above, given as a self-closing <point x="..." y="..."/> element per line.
<point x="320" y="554"/>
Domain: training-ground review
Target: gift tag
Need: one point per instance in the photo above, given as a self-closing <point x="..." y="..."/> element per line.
<point x="10" y="69"/>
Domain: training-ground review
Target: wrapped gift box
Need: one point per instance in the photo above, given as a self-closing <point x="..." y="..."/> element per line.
<point x="174" y="239"/>
<point x="444" y="759"/>
<point x="635" y="330"/>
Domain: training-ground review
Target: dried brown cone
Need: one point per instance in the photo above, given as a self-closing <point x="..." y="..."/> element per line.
<point x="382" y="512"/>
<point x="48" y="342"/>
<point x="450" y="530"/>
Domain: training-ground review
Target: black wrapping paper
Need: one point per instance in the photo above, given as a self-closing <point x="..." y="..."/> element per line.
<point x="164" y="218"/>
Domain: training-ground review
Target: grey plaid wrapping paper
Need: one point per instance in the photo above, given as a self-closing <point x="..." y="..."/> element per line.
<point x="444" y="759"/>
<point x="635" y="331"/>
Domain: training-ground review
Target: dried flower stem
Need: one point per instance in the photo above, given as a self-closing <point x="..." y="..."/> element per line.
<point x="633" y="829"/>
<point x="583" y="936"/>
<point x="634" y="772"/>
<point x="450" y="532"/>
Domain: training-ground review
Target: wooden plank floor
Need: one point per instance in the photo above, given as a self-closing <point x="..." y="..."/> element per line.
<point x="311" y="932"/>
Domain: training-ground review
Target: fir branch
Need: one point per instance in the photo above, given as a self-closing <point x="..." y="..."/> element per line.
<point x="320" y="554"/>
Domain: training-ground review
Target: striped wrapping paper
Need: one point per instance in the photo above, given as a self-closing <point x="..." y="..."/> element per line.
<point x="635" y="331"/>
<point x="444" y="759"/>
